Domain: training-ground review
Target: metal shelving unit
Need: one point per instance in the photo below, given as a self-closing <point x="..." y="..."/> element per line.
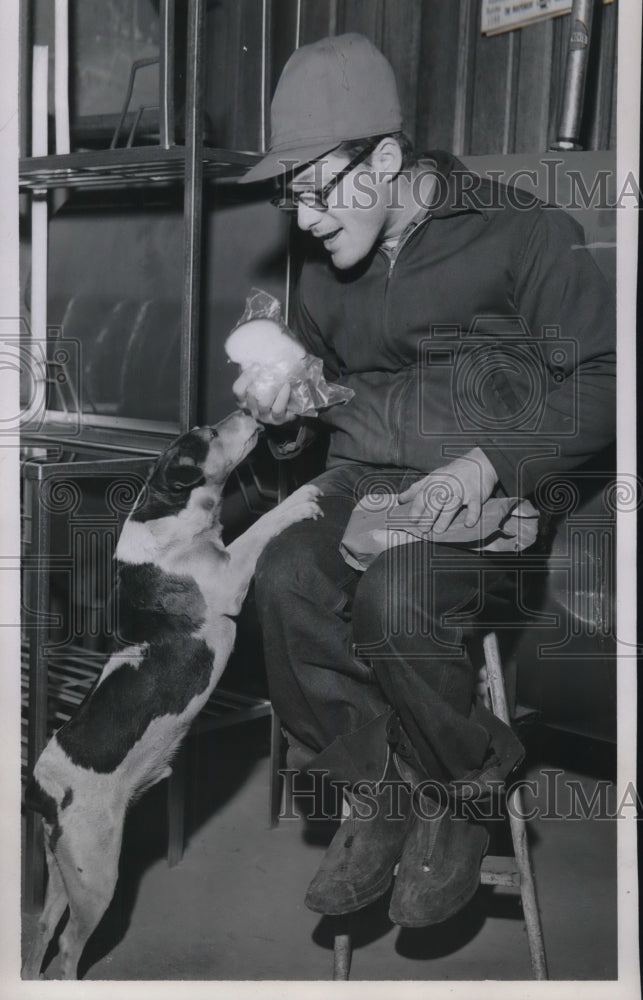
<point x="50" y="478"/>
<point x="52" y="685"/>
<point x="134" y="166"/>
<point x="166" y="164"/>
<point x="70" y="681"/>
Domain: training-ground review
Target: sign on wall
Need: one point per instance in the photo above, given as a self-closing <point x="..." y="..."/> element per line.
<point x="507" y="15"/>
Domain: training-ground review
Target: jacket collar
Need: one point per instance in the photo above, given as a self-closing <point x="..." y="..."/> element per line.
<point x="456" y="185"/>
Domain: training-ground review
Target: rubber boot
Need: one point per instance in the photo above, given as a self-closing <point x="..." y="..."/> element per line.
<point x="440" y="868"/>
<point x="358" y="866"/>
<point x="439" y="871"/>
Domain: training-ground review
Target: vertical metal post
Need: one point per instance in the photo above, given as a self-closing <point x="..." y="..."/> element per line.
<point x="575" y="73"/>
<point x="332" y="17"/>
<point x="511" y="94"/>
<point x="38" y="600"/>
<point x="25" y="74"/>
<point x="61" y="91"/>
<point x="38" y="589"/>
<point x="39" y="220"/>
<point x="600" y="131"/>
<point x="462" y="110"/>
<point x="61" y="75"/>
<point x="166" y="75"/>
<point x="298" y="25"/>
<point x="264" y="118"/>
<point x="192" y="212"/>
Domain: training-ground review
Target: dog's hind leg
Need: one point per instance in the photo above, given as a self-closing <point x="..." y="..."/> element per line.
<point x="90" y="872"/>
<point x="55" y="905"/>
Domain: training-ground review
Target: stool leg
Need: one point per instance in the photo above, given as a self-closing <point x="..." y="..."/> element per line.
<point x="516" y="822"/>
<point x="343" y="951"/>
<point x="527" y="885"/>
<point x="496" y="680"/>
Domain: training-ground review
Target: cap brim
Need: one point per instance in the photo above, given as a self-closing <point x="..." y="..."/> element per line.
<point x="280" y="161"/>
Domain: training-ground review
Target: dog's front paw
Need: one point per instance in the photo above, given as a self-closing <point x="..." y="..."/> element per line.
<point x="299" y="506"/>
<point x="309" y="492"/>
<point x="304" y="510"/>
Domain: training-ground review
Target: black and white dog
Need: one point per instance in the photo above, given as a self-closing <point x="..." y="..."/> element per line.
<point x="179" y="590"/>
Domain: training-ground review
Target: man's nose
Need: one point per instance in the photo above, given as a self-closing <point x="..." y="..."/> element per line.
<point x="307" y="216"/>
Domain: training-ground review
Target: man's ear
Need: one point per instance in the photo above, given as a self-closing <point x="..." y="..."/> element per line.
<point x="184" y="477"/>
<point x="387" y="157"/>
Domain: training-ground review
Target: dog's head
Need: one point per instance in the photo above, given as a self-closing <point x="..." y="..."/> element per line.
<point x="193" y="469"/>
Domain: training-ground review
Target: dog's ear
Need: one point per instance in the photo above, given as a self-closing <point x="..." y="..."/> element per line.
<point x="184" y="477"/>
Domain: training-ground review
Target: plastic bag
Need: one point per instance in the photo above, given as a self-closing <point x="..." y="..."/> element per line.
<point x="309" y="390"/>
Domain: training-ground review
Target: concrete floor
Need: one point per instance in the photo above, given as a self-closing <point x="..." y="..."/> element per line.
<point x="233" y="909"/>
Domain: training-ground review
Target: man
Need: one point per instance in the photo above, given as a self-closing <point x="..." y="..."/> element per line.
<point x="476" y="337"/>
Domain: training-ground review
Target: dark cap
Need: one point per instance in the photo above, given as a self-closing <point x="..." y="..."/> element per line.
<point x="338" y="89"/>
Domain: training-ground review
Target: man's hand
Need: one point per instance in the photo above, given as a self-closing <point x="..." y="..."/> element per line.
<point x="267" y="403"/>
<point x="434" y="501"/>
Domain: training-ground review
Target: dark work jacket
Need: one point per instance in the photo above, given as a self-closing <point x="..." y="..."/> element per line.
<point x="492" y="326"/>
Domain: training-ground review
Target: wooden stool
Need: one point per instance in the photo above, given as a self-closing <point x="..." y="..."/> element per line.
<point x="508" y="871"/>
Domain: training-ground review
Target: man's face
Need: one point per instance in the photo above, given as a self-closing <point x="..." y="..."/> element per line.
<point x="357" y="213"/>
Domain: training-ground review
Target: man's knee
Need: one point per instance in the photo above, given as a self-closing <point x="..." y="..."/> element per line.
<point x="289" y="568"/>
<point x="399" y="598"/>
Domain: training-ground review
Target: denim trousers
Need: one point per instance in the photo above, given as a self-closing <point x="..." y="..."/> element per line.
<point x="344" y="649"/>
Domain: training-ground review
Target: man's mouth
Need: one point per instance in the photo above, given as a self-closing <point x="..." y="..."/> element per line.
<point x="329" y="238"/>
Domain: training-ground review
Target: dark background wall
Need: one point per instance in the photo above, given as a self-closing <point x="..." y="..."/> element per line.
<point x="464" y="91"/>
<point x="460" y="90"/>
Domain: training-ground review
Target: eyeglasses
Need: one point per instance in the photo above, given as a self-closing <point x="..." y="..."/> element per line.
<point x="317" y="198"/>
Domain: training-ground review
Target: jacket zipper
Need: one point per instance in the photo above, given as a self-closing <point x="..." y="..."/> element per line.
<point x="393" y="258"/>
<point x="401" y="399"/>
